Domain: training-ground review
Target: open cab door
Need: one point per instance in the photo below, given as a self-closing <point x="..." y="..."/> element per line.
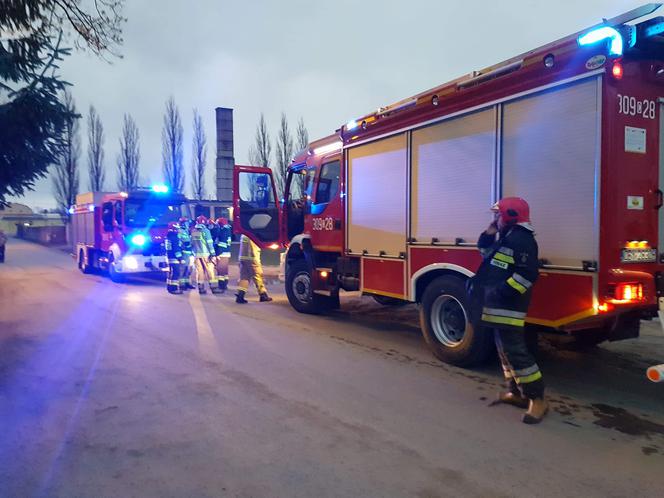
<point x="255" y="206"/>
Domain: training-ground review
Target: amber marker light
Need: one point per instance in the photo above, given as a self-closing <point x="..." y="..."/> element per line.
<point x="323" y="274"/>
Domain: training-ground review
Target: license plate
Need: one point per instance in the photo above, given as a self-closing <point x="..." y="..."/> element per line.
<point x="638" y="256"/>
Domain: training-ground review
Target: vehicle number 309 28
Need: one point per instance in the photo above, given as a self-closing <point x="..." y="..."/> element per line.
<point x="323" y="224"/>
<point x="631" y="106"/>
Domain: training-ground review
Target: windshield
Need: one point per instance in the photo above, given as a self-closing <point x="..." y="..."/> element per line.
<point x="148" y="212"/>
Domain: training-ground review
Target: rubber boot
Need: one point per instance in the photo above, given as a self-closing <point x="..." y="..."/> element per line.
<point x="239" y="298"/>
<point x="265" y="298"/>
<point x="201" y="290"/>
<point x="223" y="285"/>
<point x="537" y="409"/>
<point x="216" y="290"/>
<point x="511" y="398"/>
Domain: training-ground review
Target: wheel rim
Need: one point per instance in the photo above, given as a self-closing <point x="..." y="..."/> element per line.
<point x="448" y="320"/>
<point x="302" y="287"/>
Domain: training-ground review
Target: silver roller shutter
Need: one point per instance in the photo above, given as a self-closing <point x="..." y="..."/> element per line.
<point x="550" y="157"/>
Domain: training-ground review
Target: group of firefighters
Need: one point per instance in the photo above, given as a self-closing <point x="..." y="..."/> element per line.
<point x="199" y="253"/>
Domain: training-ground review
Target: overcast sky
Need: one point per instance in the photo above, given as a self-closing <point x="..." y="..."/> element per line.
<point x="327" y="62"/>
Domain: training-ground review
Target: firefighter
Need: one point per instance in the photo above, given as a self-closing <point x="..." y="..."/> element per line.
<point x="173" y="246"/>
<point x="250" y="269"/>
<point x="500" y="294"/>
<point x="188" y="273"/>
<point x="201" y="242"/>
<point x="221" y="236"/>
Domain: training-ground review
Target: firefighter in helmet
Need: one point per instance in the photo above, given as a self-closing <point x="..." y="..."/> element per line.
<point x="187" y="274"/>
<point x="173" y="246"/>
<point x="501" y="294"/>
<point x="250" y="269"/>
<point x="221" y="236"/>
<point x="201" y="243"/>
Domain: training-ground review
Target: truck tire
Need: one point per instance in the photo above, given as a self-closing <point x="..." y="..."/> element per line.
<point x="299" y="289"/>
<point x="447" y="330"/>
<point x="82" y="265"/>
<point x="115" y="276"/>
<point x="388" y="301"/>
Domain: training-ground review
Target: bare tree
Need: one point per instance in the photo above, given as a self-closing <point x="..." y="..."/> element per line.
<point x="66" y="177"/>
<point x="95" y="151"/>
<point x="302" y="142"/>
<point x="301" y="136"/>
<point x="199" y="154"/>
<point x="284" y="155"/>
<point x="260" y="152"/>
<point x="171" y="147"/>
<point x="129" y="156"/>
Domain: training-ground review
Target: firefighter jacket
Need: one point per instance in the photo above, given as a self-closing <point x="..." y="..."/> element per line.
<point x="249" y="251"/>
<point x="173" y="246"/>
<point x="201" y="242"/>
<point x="185" y="240"/>
<point x="502" y="287"/>
<point x="221" y="235"/>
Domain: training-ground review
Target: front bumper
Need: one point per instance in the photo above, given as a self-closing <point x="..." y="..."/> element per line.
<point x="137" y="263"/>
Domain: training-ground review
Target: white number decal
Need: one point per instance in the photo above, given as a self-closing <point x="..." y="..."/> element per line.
<point x="323" y="224"/>
<point x="631" y="106"/>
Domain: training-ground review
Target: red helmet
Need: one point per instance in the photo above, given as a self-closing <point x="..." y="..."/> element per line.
<point x="201" y="220"/>
<point x="222" y="221"/>
<point x="512" y="210"/>
<point x="173" y="225"/>
<point x="183" y="219"/>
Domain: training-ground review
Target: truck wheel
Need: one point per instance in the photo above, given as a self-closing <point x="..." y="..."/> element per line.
<point x="82" y="265"/>
<point x="586" y="340"/>
<point x="388" y="301"/>
<point x="300" y="291"/>
<point x="112" y="272"/>
<point x="444" y="318"/>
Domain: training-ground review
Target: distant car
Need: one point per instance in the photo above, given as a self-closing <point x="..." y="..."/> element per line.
<point x="3" y="241"/>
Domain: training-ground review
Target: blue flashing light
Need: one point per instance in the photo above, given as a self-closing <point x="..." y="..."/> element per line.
<point x="91" y="208"/>
<point x="602" y="34"/>
<point x="160" y="188"/>
<point x="138" y="240"/>
<point x="351" y="125"/>
<point x="654" y="30"/>
<point x="70" y="210"/>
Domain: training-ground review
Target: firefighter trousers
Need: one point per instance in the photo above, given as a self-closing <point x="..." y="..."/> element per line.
<point x="175" y="271"/>
<point x="249" y="270"/>
<point x="205" y="273"/>
<point x="519" y="366"/>
<point x="188" y="274"/>
<point x="221" y="267"/>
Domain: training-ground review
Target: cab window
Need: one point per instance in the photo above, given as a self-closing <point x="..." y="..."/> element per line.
<point x="328" y="182"/>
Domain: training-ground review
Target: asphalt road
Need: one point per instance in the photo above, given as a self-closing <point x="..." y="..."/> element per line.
<point x="123" y="390"/>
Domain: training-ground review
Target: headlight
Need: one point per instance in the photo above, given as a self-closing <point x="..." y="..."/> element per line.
<point x="130" y="262"/>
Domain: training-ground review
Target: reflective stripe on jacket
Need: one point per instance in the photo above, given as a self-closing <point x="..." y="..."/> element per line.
<point x="173" y="245"/>
<point x="505" y="278"/>
<point x="201" y="242"/>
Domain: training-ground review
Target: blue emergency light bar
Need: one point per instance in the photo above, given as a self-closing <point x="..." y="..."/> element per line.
<point x="160" y="188"/>
<point x="603" y="34"/>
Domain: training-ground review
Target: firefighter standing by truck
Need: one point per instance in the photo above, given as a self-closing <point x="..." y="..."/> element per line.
<point x="501" y="292"/>
<point x="221" y="236"/>
<point x="250" y="269"/>
<point x="176" y="262"/>
<point x="203" y="247"/>
<point x="188" y="271"/>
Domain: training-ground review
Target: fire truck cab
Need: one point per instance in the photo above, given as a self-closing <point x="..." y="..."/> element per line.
<point x="393" y="202"/>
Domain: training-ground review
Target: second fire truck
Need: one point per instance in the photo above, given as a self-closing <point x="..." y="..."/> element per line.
<point x="393" y="202"/>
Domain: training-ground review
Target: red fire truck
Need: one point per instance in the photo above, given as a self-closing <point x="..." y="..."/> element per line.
<point x="122" y="232"/>
<point x="393" y="202"/>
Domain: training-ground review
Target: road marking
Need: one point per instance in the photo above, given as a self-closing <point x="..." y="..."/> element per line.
<point x="207" y="344"/>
